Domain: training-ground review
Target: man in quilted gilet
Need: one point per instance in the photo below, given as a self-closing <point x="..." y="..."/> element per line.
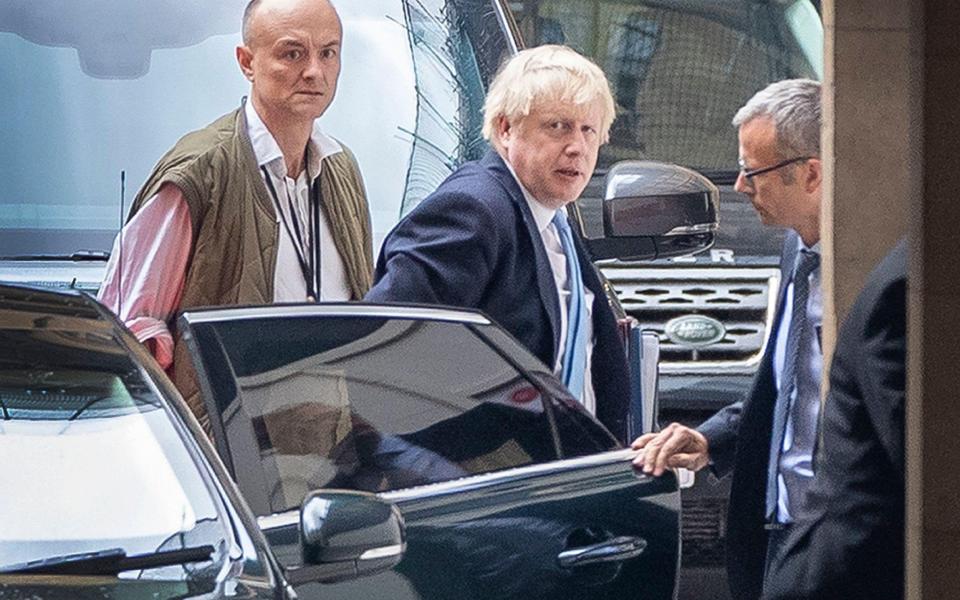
<point x="258" y="207"/>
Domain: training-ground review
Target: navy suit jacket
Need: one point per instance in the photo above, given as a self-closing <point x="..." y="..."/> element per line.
<point x="738" y="438"/>
<point x="474" y="243"/>
<point x="852" y="545"/>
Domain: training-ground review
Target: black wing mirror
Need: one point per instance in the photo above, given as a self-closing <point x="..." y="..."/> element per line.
<point x="655" y="210"/>
<point x="346" y="534"/>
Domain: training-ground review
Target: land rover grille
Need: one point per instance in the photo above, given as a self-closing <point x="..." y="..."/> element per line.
<point x="741" y="299"/>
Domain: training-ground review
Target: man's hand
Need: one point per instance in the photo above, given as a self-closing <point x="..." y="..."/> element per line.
<point x="675" y="446"/>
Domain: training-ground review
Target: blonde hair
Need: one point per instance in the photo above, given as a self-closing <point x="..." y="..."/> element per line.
<point x="545" y="73"/>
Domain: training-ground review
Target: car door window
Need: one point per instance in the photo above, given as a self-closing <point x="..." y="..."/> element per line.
<point x="578" y="432"/>
<point x="364" y="403"/>
<point x="679" y="69"/>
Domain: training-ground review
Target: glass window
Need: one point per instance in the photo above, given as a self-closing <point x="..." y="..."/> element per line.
<point x="367" y="403"/>
<point x="578" y="432"/>
<point x="97" y="90"/>
<point x="92" y="459"/>
<point x="680" y="69"/>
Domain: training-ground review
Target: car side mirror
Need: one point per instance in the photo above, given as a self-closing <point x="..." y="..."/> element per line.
<point x="346" y="534"/>
<point x="655" y="210"/>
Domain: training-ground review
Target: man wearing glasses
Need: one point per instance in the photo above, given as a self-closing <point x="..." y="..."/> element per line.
<point x="768" y="440"/>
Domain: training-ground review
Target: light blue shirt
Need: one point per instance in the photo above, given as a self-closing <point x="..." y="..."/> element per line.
<point x="799" y="439"/>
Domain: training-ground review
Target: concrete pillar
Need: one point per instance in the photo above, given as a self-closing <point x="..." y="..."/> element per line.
<point x="892" y="150"/>
<point x="869" y="90"/>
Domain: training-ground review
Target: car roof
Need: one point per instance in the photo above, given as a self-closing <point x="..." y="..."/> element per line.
<point x="60" y="301"/>
<point x="64" y="327"/>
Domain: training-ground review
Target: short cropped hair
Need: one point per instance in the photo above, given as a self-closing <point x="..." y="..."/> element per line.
<point x="245" y="28"/>
<point x="794" y="107"/>
<point x="548" y="72"/>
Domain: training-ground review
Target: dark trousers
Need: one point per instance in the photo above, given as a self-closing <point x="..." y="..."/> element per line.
<point x="776" y="544"/>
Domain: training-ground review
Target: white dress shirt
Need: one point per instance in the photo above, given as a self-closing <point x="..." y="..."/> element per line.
<point x="289" y="284"/>
<point x="543" y="216"/>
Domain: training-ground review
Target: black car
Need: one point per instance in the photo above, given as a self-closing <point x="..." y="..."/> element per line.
<point x="471" y="471"/>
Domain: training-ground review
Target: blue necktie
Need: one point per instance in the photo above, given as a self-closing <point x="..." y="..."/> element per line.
<point x="575" y="350"/>
<point x="788" y="377"/>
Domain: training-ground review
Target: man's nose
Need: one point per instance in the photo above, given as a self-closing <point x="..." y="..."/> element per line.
<point x="577" y="143"/>
<point x="742" y="184"/>
<point x="314" y="69"/>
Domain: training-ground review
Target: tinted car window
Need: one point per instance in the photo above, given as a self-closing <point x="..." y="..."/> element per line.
<point x="578" y="433"/>
<point x="98" y="100"/>
<point x="680" y="69"/>
<point x="366" y="403"/>
<point x="93" y="461"/>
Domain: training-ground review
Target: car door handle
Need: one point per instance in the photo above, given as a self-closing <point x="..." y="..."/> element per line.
<point x="613" y="550"/>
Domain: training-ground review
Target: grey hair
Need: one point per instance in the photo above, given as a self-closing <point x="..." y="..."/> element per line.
<point x="794" y="107"/>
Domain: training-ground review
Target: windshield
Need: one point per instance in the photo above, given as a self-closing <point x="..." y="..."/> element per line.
<point x="94" y="461"/>
<point x="100" y="89"/>
<point x="680" y="69"/>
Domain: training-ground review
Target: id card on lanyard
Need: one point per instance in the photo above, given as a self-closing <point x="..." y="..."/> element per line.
<point x="307" y="251"/>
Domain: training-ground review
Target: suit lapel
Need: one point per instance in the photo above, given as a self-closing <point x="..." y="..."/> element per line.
<point x="764" y="394"/>
<point x="788" y="256"/>
<point x="546" y="286"/>
<point x="787" y="261"/>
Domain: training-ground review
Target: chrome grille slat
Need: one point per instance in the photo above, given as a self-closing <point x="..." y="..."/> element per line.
<point x="740" y="298"/>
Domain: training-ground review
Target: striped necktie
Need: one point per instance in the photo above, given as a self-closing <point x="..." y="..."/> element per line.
<point x="575" y="350"/>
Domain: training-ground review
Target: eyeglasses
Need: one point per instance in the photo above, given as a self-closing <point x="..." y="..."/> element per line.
<point x="751" y="173"/>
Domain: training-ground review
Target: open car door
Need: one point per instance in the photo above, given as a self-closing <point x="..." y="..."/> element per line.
<point x="507" y="487"/>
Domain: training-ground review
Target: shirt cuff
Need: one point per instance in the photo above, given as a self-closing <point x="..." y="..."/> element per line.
<point x="149" y="328"/>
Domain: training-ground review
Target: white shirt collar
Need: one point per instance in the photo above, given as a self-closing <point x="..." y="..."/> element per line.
<point x="542" y="215"/>
<point x="815" y="249"/>
<point x="802" y="246"/>
<point x="266" y="149"/>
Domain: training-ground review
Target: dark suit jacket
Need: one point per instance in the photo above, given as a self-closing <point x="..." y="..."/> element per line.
<point x="852" y="546"/>
<point x="474" y="243"/>
<point x="739" y="441"/>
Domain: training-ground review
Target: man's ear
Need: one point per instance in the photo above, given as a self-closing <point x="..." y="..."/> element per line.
<point x="245" y="60"/>
<point x="814" y="177"/>
<point x="504" y="130"/>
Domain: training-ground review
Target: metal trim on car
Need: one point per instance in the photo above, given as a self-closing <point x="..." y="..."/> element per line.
<point x="383" y="552"/>
<point x="353" y="309"/>
<point x="292" y="517"/>
<point x="508" y="24"/>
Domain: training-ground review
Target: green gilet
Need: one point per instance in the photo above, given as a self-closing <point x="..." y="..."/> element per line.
<point x="235" y="229"/>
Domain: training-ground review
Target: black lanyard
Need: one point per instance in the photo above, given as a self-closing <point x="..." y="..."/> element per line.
<point x="309" y="261"/>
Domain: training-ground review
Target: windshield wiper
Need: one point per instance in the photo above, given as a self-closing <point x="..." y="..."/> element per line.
<point x="109" y="562"/>
<point x="78" y="256"/>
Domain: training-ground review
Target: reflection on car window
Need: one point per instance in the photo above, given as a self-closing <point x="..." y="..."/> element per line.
<point x="93" y="460"/>
<point x="679" y="69"/>
<point x="370" y="404"/>
<point x="103" y="99"/>
<point x="448" y="126"/>
<point x="578" y="432"/>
